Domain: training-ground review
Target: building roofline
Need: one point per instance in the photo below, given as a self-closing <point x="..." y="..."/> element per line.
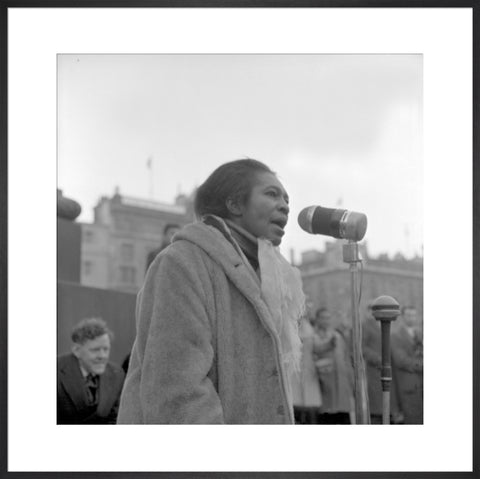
<point x="366" y="269"/>
<point x="153" y="205"/>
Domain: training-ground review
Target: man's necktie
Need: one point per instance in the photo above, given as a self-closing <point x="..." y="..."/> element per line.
<point x="92" y="386"/>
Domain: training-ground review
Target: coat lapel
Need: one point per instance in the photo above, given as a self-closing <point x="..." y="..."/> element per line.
<point x="239" y="271"/>
<point x="72" y="379"/>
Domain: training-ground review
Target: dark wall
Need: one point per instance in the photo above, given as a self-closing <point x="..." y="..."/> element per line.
<point x="75" y="302"/>
<point x="69" y="237"/>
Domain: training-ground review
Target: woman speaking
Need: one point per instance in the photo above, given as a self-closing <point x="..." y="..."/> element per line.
<point x="217" y="317"/>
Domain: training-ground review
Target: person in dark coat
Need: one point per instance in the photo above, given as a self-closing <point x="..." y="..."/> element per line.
<point x="407" y="364"/>
<point x="88" y="386"/>
<point x="169" y="231"/>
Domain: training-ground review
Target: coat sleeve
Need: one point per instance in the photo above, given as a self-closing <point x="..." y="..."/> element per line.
<point x="175" y="384"/>
<point x="117" y="383"/>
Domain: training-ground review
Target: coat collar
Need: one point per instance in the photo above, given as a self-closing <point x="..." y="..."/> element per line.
<point x="218" y="243"/>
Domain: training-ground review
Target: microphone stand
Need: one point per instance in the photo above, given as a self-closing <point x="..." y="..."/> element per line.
<point x="385" y="309"/>
<point x="362" y="415"/>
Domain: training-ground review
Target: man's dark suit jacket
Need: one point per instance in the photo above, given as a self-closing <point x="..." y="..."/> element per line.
<point x="407" y="357"/>
<point x="72" y="402"/>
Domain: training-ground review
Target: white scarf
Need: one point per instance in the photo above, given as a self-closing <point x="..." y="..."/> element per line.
<point x="282" y="291"/>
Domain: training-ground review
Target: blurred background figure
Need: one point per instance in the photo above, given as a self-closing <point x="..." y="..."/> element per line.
<point x="335" y="371"/>
<point x="88" y="385"/>
<point x="168" y="233"/>
<point x="372" y="354"/>
<point x="343" y="324"/>
<point x="407" y="362"/>
<point x="307" y="397"/>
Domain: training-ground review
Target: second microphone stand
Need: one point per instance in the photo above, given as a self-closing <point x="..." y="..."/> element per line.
<point x="386" y="309"/>
<point x="351" y="256"/>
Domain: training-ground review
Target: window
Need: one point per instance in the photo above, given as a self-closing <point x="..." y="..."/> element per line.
<point x="88" y="236"/>
<point x="126" y="251"/>
<point x="87" y="268"/>
<point x="127" y="274"/>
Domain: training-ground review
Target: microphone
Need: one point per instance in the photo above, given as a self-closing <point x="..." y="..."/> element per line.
<point x="342" y="224"/>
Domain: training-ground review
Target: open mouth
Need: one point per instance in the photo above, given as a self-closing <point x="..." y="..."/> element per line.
<point x="280" y="222"/>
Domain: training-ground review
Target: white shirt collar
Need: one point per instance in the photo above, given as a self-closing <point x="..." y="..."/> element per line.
<point x="83" y="370"/>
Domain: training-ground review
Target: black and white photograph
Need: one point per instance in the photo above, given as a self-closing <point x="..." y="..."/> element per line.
<point x="242" y="146"/>
<point x="252" y="234"/>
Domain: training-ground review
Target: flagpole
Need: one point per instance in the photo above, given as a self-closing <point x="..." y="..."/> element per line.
<point x="150" y="168"/>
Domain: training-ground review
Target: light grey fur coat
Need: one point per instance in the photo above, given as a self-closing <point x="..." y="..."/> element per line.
<point x="205" y="351"/>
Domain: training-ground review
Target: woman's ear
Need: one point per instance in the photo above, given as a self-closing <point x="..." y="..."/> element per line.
<point x="233" y="206"/>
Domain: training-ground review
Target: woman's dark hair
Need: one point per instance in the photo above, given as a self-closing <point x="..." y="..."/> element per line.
<point x="233" y="180"/>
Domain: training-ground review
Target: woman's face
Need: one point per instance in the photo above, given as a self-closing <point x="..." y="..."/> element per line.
<point x="265" y="213"/>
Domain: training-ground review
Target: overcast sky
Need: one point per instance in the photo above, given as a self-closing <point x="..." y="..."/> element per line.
<point x="340" y="131"/>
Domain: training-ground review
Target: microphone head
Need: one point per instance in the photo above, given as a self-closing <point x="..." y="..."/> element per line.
<point x="355" y="226"/>
<point x="304" y="220"/>
<point x="339" y="223"/>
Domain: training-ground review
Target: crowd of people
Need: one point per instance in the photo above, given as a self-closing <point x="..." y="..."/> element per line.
<point x="222" y="333"/>
<point x="89" y="385"/>
<point x="325" y="387"/>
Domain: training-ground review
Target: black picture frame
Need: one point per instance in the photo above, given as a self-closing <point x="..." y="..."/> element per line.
<point x="6" y="5"/>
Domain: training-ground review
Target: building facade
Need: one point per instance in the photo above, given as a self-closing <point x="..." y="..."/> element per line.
<point x="124" y="231"/>
<point x="327" y="280"/>
<point x="114" y="250"/>
<point x="76" y="301"/>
